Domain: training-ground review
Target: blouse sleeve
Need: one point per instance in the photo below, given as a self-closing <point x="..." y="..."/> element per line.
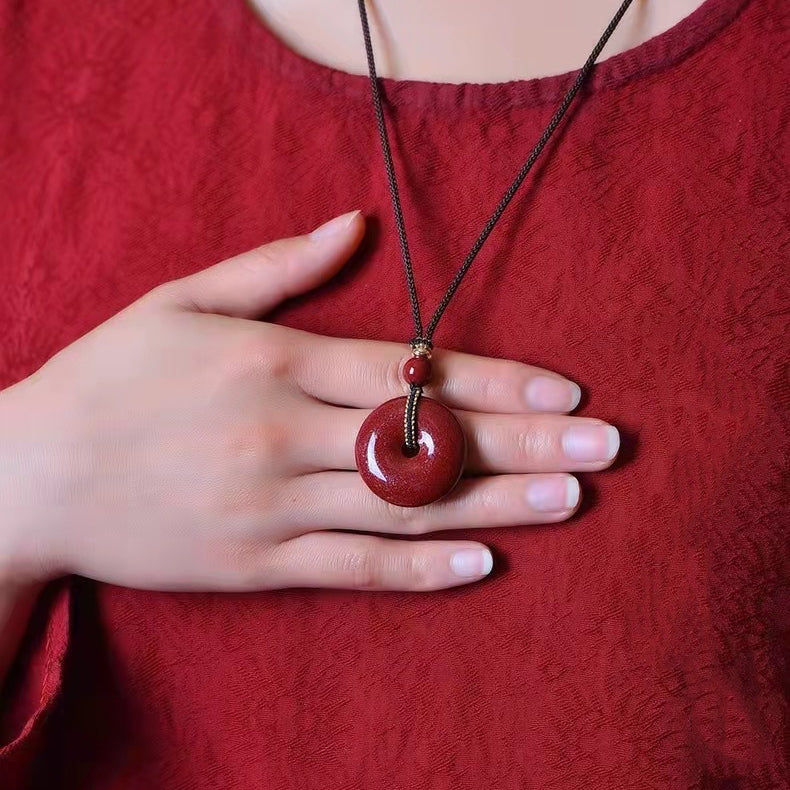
<point x="33" y="687"/>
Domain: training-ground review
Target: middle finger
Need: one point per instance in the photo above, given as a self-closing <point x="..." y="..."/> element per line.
<point x="496" y="443"/>
<point x="365" y="373"/>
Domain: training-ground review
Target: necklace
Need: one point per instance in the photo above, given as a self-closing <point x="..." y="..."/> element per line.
<point x="411" y="450"/>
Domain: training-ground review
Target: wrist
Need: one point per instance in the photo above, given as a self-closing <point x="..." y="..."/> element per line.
<point x="24" y="560"/>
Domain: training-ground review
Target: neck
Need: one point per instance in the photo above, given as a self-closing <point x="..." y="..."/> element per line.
<point x="473" y="41"/>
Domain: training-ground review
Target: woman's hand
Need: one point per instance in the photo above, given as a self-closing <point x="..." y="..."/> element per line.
<point x="184" y="445"/>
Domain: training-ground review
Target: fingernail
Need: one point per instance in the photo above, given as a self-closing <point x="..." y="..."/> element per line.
<point x="591" y="442"/>
<point x="547" y="393"/>
<point x="336" y="225"/>
<point x="552" y="494"/>
<point x="468" y="563"/>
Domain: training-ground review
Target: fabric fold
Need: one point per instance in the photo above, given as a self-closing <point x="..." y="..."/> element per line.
<point x="34" y="686"/>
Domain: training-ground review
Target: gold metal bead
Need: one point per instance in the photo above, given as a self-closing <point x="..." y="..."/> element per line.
<point x="421" y="350"/>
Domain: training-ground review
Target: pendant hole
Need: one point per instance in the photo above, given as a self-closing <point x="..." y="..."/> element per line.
<point x="410" y="452"/>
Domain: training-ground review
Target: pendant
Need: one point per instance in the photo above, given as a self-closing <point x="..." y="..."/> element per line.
<point x="425" y="474"/>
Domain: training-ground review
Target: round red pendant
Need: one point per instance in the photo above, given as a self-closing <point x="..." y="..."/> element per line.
<point x="411" y="481"/>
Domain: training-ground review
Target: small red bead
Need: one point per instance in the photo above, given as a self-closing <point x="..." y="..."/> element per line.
<point x="417" y="371"/>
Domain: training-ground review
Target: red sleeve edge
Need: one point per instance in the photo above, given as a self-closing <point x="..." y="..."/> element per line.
<point x="15" y="756"/>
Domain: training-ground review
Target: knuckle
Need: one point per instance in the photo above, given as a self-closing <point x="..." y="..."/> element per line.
<point x="498" y="386"/>
<point x="254" y="451"/>
<point x="259" y="353"/>
<point x="168" y="292"/>
<point x="264" y="257"/>
<point x="238" y="550"/>
<point x="418" y="571"/>
<point x="531" y="442"/>
<point x="239" y="563"/>
<point x="274" y="445"/>
<point x="247" y="565"/>
<point x="264" y="262"/>
<point x="391" y="380"/>
<point x="485" y="387"/>
<point x="365" y="569"/>
<point x="408" y="520"/>
<point x="235" y="494"/>
<point x="273" y="357"/>
<point x="274" y="362"/>
<point x="484" y="502"/>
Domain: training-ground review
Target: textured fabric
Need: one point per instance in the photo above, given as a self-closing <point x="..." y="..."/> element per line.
<point x="643" y="644"/>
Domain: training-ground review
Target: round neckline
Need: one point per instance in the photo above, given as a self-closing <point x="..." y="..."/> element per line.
<point x="259" y="43"/>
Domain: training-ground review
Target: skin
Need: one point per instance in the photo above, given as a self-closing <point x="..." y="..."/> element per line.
<point x="501" y="40"/>
<point x="186" y="445"/>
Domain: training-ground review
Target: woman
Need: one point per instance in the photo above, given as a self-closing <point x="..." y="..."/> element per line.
<point x="194" y="433"/>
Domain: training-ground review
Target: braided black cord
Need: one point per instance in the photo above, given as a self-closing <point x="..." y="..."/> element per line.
<point x="393" y="184"/>
<point x="508" y="196"/>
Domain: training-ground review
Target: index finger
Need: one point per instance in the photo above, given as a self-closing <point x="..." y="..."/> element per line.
<point x="365" y="373"/>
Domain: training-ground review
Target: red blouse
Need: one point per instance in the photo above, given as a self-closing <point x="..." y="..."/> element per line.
<point x="643" y="644"/>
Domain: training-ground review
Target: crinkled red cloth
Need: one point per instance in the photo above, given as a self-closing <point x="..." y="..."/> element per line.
<point x="640" y="645"/>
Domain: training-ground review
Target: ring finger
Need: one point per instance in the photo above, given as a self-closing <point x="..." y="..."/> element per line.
<point x="340" y="500"/>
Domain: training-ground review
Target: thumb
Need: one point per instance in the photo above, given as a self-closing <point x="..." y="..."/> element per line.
<point x="252" y="283"/>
